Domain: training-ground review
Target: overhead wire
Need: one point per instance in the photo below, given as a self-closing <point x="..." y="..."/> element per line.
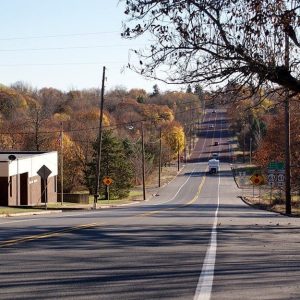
<point x="57" y="35"/>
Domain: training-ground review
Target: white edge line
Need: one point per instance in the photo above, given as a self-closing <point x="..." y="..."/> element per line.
<point x="206" y="278"/>
<point x="177" y="191"/>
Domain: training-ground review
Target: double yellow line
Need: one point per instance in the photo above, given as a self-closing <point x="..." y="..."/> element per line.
<point x="180" y="206"/>
<point x="91" y="225"/>
<point x="46" y="235"/>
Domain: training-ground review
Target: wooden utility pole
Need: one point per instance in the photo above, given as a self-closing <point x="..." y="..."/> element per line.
<point x="61" y="164"/>
<point x="288" y="200"/>
<point x="143" y="161"/>
<point x="178" y="156"/>
<point x="99" y="148"/>
<point x="159" y="160"/>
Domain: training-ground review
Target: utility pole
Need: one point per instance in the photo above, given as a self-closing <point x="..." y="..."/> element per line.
<point x="98" y="165"/>
<point x="288" y="201"/>
<point x="190" y="126"/>
<point x="61" y="164"/>
<point x="250" y="150"/>
<point x="143" y="161"/>
<point x="178" y="156"/>
<point x="159" y="160"/>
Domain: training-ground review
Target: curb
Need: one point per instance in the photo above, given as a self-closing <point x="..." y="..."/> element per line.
<point x="31" y="213"/>
<point x="244" y="199"/>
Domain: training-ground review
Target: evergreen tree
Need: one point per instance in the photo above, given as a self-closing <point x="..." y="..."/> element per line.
<point x="114" y="163"/>
<point x="155" y="91"/>
<point x="189" y="89"/>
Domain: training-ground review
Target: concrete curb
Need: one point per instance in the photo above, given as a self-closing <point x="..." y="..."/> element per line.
<point x="31" y="213"/>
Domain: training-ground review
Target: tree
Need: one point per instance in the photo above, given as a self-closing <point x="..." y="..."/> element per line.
<point x="36" y="119"/>
<point x="216" y="41"/>
<point x="73" y="172"/>
<point x="271" y="147"/>
<point x="155" y="91"/>
<point x="115" y="164"/>
<point x="189" y="89"/>
<point x="174" y="137"/>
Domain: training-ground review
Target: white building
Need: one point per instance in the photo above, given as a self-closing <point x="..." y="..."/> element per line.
<point x="28" y="178"/>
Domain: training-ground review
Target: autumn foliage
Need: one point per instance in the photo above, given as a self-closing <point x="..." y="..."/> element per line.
<point x="33" y="119"/>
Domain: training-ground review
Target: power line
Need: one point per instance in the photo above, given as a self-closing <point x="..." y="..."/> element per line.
<point x="56" y="35"/>
<point x="62" y="48"/>
<point x="59" y="64"/>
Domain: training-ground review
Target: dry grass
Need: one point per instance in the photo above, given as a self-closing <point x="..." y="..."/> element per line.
<point x="275" y="205"/>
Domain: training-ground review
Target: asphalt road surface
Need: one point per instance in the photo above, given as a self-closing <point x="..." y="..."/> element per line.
<point x="196" y="240"/>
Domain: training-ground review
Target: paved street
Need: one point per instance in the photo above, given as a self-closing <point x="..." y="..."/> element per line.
<point x="196" y="240"/>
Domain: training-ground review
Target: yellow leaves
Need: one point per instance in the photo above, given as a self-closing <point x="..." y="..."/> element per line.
<point x="61" y="117"/>
<point x="9" y="98"/>
<point x="266" y="104"/>
<point x="93" y="115"/>
<point x="106" y="119"/>
<point x="72" y="150"/>
<point x="6" y="141"/>
<point x="174" y="137"/>
<point x="138" y="94"/>
<point x="158" y="113"/>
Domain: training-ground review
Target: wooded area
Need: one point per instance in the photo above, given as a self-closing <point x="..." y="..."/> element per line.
<point x="34" y="119"/>
<point x="46" y="119"/>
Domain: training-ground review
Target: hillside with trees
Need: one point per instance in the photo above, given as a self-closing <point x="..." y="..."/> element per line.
<point x="49" y="119"/>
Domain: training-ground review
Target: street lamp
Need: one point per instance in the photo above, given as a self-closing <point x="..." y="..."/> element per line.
<point x="130" y="127"/>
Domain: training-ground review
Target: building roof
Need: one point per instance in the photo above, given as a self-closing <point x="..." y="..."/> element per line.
<point x="19" y="154"/>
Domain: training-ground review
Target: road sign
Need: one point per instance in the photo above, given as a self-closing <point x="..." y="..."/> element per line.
<point x="271" y="178"/>
<point x="257" y="179"/>
<point x="276" y="177"/>
<point x="44" y="172"/>
<point x="280" y="179"/>
<point x="107" y="180"/>
<point x="276" y="165"/>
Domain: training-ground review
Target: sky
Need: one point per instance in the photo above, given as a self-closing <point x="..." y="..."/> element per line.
<point x="64" y="44"/>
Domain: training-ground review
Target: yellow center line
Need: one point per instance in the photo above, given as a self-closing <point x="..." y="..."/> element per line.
<point x="46" y="235"/>
<point x="84" y="226"/>
<point x="183" y="205"/>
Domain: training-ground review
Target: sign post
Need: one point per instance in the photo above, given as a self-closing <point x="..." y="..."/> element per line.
<point x="44" y="173"/>
<point x="107" y="181"/>
<point x="257" y="179"/>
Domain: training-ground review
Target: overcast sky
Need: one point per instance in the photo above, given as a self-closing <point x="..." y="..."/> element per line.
<point x="65" y="44"/>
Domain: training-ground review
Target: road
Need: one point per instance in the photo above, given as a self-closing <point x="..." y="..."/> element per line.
<point x="196" y="240"/>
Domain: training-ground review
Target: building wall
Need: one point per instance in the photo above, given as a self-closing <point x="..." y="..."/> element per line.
<point x="34" y="191"/>
<point x="9" y="171"/>
<point x="12" y="191"/>
<point x="52" y="189"/>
